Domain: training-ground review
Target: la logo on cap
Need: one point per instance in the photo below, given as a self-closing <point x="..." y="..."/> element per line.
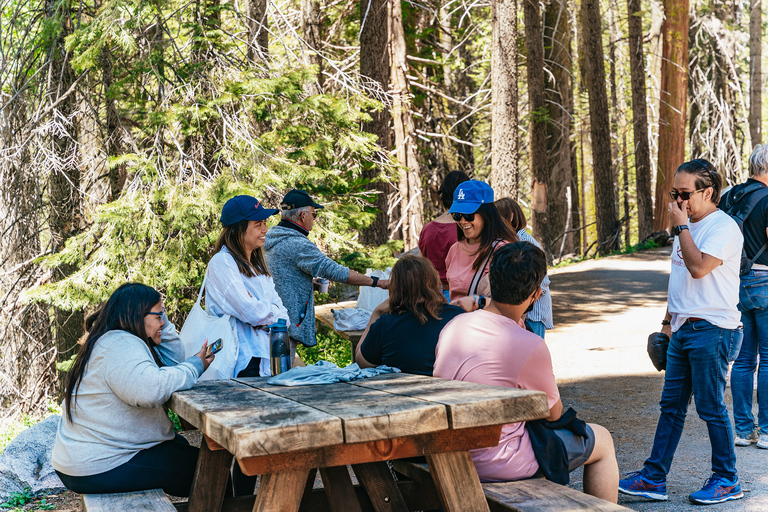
<point x="461" y="194"/>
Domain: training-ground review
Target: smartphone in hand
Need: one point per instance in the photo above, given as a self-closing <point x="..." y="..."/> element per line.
<point x="213" y="347"/>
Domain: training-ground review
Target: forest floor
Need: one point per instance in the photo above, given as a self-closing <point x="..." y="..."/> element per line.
<point x="604" y="311"/>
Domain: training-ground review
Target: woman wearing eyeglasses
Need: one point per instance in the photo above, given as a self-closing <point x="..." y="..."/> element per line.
<point x="704" y="326"/>
<point x="115" y="435"/>
<point x="480" y="231"/>
<point x="239" y="283"/>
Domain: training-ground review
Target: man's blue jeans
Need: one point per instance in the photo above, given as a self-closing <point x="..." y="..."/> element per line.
<point x="697" y="362"/>
<point x="753" y="304"/>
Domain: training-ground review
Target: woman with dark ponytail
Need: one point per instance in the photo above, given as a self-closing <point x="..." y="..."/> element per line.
<point x="115" y="434"/>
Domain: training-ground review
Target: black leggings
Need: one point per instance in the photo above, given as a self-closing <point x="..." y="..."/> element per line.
<point x="169" y="465"/>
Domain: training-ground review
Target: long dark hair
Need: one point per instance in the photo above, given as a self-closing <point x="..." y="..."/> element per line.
<point x="232" y="237"/>
<point x="449" y="185"/>
<point x="494" y="228"/>
<point x="124" y="311"/>
<point x="415" y="286"/>
<point x="706" y="176"/>
<point x="508" y="209"/>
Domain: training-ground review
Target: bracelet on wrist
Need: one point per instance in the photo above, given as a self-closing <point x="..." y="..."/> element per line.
<point x="665" y="322"/>
<point x="375" y="281"/>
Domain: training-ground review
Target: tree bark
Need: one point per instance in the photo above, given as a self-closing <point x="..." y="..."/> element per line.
<point x="409" y="198"/>
<point x="673" y="103"/>
<point x="755" y="73"/>
<point x="534" y="42"/>
<point x="374" y="68"/>
<point x="504" y="129"/>
<point x="258" y="36"/>
<point x="606" y="213"/>
<point x="310" y="31"/>
<point x="562" y="191"/>
<point x="640" y="120"/>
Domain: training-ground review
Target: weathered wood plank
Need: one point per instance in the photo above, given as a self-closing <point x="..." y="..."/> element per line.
<point x="540" y="495"/>
<point x="457" y="482"/>
<point x="152" y="500"/>
<point x="468" y="404"/>
<point x="281" y="492"/>
<point x="380" y="486"/>
<point x="209" y="485"/>
<point x="249" y="422"/>
<point x="339" y="490"/>
<point x="390" y="449"/>
<point x="367" y="414"/>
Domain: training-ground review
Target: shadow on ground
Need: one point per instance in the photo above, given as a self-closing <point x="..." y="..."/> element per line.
<point x="628" y="407"/>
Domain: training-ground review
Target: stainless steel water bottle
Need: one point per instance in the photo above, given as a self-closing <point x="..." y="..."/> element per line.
<point x="279" y="347"/>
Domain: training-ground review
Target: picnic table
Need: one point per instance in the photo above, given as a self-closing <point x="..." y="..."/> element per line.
<point x="324" y="315"/>
<point x="282" y="433"/>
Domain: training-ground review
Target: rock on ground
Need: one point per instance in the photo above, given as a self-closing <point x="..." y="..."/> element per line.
<point x="26" y="461"/>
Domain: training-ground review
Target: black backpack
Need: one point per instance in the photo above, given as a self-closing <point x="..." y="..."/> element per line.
<point x="739" y="203"/>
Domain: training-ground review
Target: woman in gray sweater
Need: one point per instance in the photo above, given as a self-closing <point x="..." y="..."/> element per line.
<point x="115" y="435"/>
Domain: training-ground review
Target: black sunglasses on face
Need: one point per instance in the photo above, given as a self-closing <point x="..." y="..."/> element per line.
<point x="674" y="194"/>
<point x="469" y="217"/>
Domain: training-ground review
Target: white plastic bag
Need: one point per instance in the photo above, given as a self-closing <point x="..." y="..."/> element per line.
<point x="350" y="319"/>
<point x="371" y="297"/>
<point x="200" y="326"/>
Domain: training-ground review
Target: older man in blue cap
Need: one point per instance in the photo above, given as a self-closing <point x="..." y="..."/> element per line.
<point x="295" y="261"/>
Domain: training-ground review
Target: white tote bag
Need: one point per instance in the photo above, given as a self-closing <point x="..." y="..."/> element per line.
<point x="369" y="297"/>
<point x="199" y="326"/>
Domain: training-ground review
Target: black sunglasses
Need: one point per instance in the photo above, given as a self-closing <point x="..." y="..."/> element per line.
<point x="469" y="217"/>
<point x="674" y="194"/>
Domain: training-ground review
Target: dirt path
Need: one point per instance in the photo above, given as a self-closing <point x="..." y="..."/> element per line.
<point x="604" y="311"/>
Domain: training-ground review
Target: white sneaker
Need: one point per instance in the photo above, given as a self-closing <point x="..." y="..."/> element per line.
<point x="763" y="442"/>
<point x="748" y="440"/>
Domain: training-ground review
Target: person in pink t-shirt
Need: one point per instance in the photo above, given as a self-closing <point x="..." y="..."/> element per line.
<point x="481" y="231"/>
<point x="488" y="346"/>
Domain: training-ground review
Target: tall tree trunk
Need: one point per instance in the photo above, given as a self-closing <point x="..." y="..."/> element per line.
<point x="258" y="36"/>
<point x="640" y="120"/>
<point x="504" y="131"/>
<point x="534" y="42"/>
<point x="409" y="197"/>
<point x="673" y="103"/>
<point x="606" y="213"/>
<point x="310" y="31"/>
<point x="65" y="198"/>
<point x="562" y="191"/>
<point x="755" y="73"/>
<point x="113" y="140"/>
<point x="374" y="67"/>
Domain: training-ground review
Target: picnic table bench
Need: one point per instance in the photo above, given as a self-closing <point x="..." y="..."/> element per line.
<point x="284" y="433"/>
<point x="324" y="315"/>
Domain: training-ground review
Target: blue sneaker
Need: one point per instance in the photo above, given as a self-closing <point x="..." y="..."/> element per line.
<point x="638" y="485"/>
<point x="717" y="490"/>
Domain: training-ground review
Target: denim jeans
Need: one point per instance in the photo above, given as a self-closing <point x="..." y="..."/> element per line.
<point x="536" y="328"/>
<point x="697" y="362"/>
<point x="753" y="303"/>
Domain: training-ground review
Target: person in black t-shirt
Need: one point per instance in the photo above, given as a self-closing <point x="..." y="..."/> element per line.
<point x="404" y="329"/>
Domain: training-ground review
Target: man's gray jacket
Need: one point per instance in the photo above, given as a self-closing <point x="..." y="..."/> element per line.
<point x="293" y="261"/>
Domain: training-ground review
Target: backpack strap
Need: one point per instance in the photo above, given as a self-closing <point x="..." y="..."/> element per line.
<point x="739" y="204"/>
<point x="481" y="270"/>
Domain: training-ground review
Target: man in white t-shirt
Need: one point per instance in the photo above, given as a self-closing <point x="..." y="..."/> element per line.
<point x="489" y="346"/>
<point x="704" y="325"/>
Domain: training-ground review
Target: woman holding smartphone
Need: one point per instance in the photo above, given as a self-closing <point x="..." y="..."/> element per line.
<point x="115" y="434"/>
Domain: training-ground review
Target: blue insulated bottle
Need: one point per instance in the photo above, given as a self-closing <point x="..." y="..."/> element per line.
<point x="279" y="348"/>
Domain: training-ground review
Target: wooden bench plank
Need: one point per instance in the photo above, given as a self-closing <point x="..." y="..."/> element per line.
<point x="367" y="414"/>
<point x="249" y="422"/>
<point x="495" y="409"/>
<point x="533" y="495"/>
<point x="152" y="500"/>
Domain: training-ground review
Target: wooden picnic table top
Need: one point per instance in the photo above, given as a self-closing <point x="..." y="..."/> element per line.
<point x="324" y="315"/>
<point x="284" y="432"/>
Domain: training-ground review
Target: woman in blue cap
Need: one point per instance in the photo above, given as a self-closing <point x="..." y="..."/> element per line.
<point x="480" y="231"/>
<point x="239" y="283"/>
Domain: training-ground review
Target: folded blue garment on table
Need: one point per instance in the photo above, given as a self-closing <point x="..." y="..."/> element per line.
<point x="325" y="372"/>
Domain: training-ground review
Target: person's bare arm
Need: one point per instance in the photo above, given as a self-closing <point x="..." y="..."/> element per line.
<point x="556" y="411"/>
<point x="358" y="279"/>
<point x="667" y="329"/>
<point x="377" y="312"/>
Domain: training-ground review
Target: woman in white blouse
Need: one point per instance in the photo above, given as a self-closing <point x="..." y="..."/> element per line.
<point x="239" y="283"/>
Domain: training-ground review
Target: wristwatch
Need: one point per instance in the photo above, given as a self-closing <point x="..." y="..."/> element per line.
<point x="375" y="281"/>
<point x="665" y="322"/>
<point x="679" y="229"/>
<point x="480" y="301"/>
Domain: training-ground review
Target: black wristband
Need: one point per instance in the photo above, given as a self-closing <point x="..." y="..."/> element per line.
<point x="375" y="281"/>
<point x="665" y="322"/>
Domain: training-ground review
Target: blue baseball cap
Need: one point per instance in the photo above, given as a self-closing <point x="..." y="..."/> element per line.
<point x="470" y="195"/>
<point x="244" y="208"/>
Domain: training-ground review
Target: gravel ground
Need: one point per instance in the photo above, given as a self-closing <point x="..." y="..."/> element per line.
<point x="604" y="311"/>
